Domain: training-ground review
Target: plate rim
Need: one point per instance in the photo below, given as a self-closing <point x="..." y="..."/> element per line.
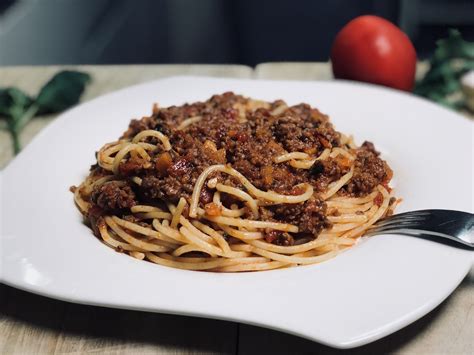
<point x="343" y="345"/>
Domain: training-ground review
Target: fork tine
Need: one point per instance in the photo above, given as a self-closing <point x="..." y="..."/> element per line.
<point x="376" y="231"/>
<point x="407" y="215"/>
<point x="415" y="213"/>
<point x="398" y="223"/>
<point x="401" y="219"/>
<point x="393" y="227"/>
<point x="422" y="213"/>
<point x="389" y="229"/>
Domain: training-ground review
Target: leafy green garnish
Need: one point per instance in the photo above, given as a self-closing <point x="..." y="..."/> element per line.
<point x="13" y="102"/>
<point x="61" y="92"/>
<point x="452" y="58"/>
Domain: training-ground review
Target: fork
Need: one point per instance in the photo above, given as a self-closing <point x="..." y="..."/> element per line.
<point x="437" y="225"/>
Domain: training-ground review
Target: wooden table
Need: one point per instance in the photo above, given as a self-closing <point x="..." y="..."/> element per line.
<point x="33" y="324"/>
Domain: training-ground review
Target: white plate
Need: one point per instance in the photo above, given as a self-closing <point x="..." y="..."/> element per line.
<point x="362" y="295"/>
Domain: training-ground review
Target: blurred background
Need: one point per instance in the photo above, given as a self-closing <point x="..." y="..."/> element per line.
<point x="39" y="32"/>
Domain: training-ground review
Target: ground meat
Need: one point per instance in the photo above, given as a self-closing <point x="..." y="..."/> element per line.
<point x="369" y="146"/>
<point x="250" y="146"/>
<point x="310" y="216"/>
<point x="97" y="172"/>
<point x="180" y="167"/>
<point x="324" y="172"/>
<point x="302" y="129"/>
<point x="113" y="195"/>
<point x="247" y="135"/>
<point x="94" y="217"/>
<point x="206" y="196"/>
<point x="285" y="239"/>
<point x="369" y="172"/>
<point x="134" y="166"/>
<point x="136" y="126"/>
<point x="168" y="188"/>
<point x="278" y="238"/>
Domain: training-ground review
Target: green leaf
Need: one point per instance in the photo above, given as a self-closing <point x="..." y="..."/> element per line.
<point x="13" y="102"/>
<point x="453" y="47"/>
<point x="13" y="105"/>
<point x="453" y="58"/>
<point x="62" y="91"/>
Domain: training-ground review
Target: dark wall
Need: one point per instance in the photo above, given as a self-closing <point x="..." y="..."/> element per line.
<point x="295" y="30"/>
<point x="239" y="31"/>
<point x="206" y="31"/>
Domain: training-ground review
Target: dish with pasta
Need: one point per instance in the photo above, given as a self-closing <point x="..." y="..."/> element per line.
<point x="234" y="184"/>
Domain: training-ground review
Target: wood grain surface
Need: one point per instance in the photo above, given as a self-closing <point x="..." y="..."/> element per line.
<point x="31" y="324"/>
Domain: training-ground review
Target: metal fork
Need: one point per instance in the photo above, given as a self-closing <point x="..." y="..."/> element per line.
<point x="433" y="224"/>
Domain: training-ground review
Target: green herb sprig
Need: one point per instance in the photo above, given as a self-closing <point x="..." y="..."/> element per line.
<point x="60" y="93"/>
<point x="452" y="58"/>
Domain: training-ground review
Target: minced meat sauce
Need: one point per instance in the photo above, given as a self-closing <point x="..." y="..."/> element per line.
<point x="249" y="145"/>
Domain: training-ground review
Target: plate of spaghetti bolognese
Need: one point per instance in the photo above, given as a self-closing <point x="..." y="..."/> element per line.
<point x="254" y="193"/>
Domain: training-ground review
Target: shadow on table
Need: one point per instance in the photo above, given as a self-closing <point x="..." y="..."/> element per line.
<point x="102" y="329"/>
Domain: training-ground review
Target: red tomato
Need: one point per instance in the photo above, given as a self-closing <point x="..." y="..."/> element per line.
<point x="374" y="50"/>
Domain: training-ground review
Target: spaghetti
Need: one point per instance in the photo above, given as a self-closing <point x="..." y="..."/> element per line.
<point x="234" y="184"/>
